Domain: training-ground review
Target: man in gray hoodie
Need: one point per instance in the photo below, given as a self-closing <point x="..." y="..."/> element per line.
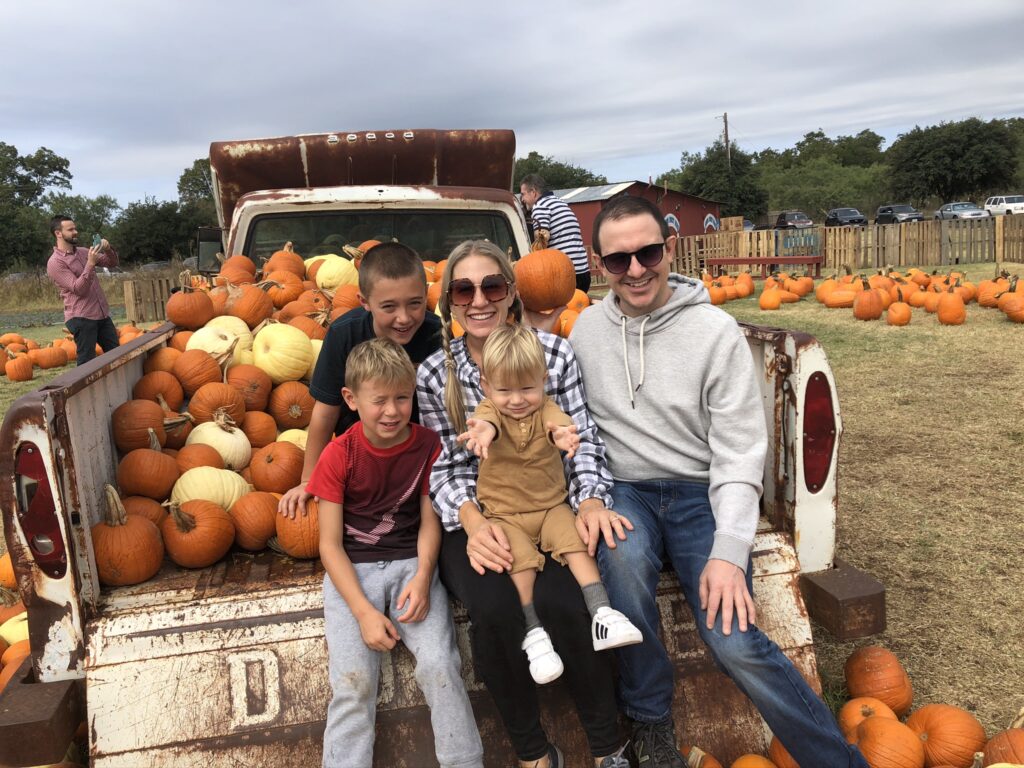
<point x="671" y="384"/>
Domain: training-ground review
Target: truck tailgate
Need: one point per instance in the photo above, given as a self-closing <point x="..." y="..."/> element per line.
<point x="227" y="665"/>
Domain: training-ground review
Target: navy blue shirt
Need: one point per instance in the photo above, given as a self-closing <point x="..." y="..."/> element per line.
<point x="355" y="327"/>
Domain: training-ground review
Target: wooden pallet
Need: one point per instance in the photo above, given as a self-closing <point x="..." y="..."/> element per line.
<point x="146" y="300"/>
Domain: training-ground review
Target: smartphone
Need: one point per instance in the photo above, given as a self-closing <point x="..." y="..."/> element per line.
<point x="96" y="240"/>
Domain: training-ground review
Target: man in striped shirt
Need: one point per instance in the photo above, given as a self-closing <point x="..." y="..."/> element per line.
<point x="554" y="221"/>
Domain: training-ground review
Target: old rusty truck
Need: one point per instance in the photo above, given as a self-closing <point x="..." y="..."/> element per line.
<point x="227" y="665"/>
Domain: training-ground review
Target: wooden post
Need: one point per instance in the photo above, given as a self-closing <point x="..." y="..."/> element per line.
<point x="1000" y="243"/>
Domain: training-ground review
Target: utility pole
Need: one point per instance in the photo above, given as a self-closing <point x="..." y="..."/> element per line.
<point x="728" y="149"/>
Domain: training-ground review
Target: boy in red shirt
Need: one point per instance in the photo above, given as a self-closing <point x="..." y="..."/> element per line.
<point x="379" y="541"/>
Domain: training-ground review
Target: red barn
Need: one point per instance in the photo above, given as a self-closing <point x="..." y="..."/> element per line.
<point x="694" y="214"/>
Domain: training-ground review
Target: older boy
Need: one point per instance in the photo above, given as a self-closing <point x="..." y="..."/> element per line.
<point x="679" y="410"/>
<point x="379" y="540"/>
<point x="393" y="294"/>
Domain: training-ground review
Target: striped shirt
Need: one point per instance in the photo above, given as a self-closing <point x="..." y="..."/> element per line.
<point x="554" y="214"/>
<point x="453" y="477"/>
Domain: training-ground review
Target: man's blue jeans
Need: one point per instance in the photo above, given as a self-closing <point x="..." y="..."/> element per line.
<point x="673" y="518"/>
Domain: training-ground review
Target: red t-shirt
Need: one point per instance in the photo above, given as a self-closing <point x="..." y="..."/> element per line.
<point x="379" y="490"/>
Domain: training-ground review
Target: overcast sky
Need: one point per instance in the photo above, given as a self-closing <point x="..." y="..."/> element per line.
<point x="131" y="92"/>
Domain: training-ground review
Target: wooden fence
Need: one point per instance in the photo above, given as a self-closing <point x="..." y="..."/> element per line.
<point x="919" y="244"/>
<point x="145" y="300"/>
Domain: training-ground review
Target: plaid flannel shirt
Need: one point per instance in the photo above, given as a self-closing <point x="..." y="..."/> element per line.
<point x="453" y="478"/>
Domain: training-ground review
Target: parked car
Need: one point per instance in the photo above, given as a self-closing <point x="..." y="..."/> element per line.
<point x="961" y="211"/>
<point x="156" y="265"/>
<point x="842" y="217"/>
<point x="793" y="220"/>
<point x="897" y="214"/>
<point x="1005" y="204"/>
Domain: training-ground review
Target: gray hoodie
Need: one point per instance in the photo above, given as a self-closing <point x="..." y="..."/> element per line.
<point x="675" y="396"/>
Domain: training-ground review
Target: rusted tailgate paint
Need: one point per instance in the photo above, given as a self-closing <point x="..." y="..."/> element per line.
<point x="414" y="157"/>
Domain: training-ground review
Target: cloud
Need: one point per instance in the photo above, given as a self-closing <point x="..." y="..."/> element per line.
<point x="131" y="93"/>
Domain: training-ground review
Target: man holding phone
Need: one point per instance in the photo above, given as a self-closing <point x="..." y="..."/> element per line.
<point x="73" y="269"/>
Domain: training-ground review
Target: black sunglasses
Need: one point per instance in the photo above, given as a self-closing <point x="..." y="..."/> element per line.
<point x="462" y="291"/>
<point x="648" y="256"/>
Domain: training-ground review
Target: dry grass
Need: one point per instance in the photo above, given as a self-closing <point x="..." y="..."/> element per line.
<point x="931" y="494"/>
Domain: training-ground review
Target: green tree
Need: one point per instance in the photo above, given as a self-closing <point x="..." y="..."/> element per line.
<point x="556" y="175"/>
<point x="864" y="149"/>
<point x="195" y="195"/>
<point x="150" y="230"/>
<point x="24" y="239"/>
<point x="952" y="161"/>
<point x="91" y="214"/>
<point x="823" y="183"/>
<point x="735" y="183"/>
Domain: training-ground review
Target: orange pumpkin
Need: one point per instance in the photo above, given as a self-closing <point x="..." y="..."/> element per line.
<point x="951" y="309"/>
<point x="277" y="467"/>
<point x="132" y="423"/>
<point x="254" y="517"/>
<point x="161" y="383"/>
<point x="198" y="455"/>
<point x="189" y="308"/>
<point x="566" y="321"/>
<point x="780" y="756"/>
<point x="151" y="509"/>
<point x="260" y="428"/>
<point x="1006" y="747"/>
<point x="252" y="383"/>
<point x="752" y="761"/>
<point x="856" y="711"/>
<point x="194" y="368"/>
<point x="346" y="297"/>
<point x="300" y="536"/>
<point x="127" y="548"/>
<point x="197" y="533"/>
<point x="147" y="472"/>
<point x="291" y="405"/>
<point x="876" y="672"/>
<point x="545" y="279"/>
<point x="213" y="397"/>
<point x="286" y="259"/>
<point x="282" y="287"/>
<point x="251" y="304"/>
<point x="770" y="299"/>
<point x="950" y="735"/>
<point x="161" y="359"/>
<point x="889" y="743"/>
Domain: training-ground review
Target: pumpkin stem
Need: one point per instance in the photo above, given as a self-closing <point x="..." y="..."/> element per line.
<point x="979" y="760"/>
<point x="116" y="514"/>
<point x="288" y="247"/>
<point x="154" y="442"/>
<point x="182" y="519"/>
<point x="223" y="420"/>
<point x="1019" y="721"/>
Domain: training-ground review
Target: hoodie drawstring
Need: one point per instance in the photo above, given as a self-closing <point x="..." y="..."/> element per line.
<point x="625" y="359"/>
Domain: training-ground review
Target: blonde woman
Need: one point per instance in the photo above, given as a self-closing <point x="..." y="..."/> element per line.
<point x="478" y="292"/>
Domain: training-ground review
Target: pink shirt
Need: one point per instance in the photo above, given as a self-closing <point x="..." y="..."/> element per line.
<point x="79" y="286"/>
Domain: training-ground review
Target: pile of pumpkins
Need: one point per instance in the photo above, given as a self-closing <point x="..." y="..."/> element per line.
<point x="14" y="646"/>
<point x="23" y="355"/>
<point x="215" y="429"/>
<point x="895" y="295"/>
<point x="933" y="736"/>
<point x="725" y="288"/>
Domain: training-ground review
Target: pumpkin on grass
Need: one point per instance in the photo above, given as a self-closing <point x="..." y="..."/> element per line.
<point x="197" y="533"/>
<point x="857" y="710"/>
<point x="128" y="548"/>
<point x="254" y="517"/>
<point x="299" y="536"/>
<point x="889" y="743"/>
<point x="545" y="279"/>
<point x="950" y="735"/>
<point x="876" y="672"/>
<point x="1005" y="747"/>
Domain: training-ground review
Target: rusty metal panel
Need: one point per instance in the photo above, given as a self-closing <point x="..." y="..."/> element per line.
<point x="181" y="672"/>
<point x="472" y="158"/>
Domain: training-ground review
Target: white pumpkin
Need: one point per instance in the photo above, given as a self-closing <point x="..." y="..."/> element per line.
<point x="215" y="341"/>
<point x="335" y="271"/>
<point x="227" y="440"/>
<point x="221" y="486"/>
<point x="283" y="352"/>
<point x="317" y="344"/>
<point x="236" y="326"/>
<point x="294" y="436"/>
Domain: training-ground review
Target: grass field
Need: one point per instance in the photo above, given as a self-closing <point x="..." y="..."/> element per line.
<point x="931" y="491"/>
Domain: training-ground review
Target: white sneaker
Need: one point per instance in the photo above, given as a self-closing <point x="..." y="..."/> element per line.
<point x="611" y="629"/>
<point x="545" y="665"/>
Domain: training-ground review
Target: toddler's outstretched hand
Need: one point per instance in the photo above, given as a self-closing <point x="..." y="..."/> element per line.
<point x="478" y="436"/>
<point x="564" y="438"/>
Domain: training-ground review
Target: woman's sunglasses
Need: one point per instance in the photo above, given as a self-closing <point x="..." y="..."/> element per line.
<point x="461" y="292"/>
<point x="648" y="256"/>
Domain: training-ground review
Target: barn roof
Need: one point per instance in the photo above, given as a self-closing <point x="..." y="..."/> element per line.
<point x="606" y="191"/>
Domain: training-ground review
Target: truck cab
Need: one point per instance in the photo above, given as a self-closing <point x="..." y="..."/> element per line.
<point x="226" y="665"/>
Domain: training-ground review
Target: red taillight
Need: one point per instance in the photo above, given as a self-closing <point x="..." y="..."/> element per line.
<point x="819" y="432"/>
<point x="37" y="514"/>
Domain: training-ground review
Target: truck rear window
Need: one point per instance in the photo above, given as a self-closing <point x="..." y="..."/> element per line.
<point x="432" y="234"/>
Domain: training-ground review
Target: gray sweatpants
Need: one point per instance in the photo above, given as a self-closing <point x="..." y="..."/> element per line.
<point x="355" y="671"/>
